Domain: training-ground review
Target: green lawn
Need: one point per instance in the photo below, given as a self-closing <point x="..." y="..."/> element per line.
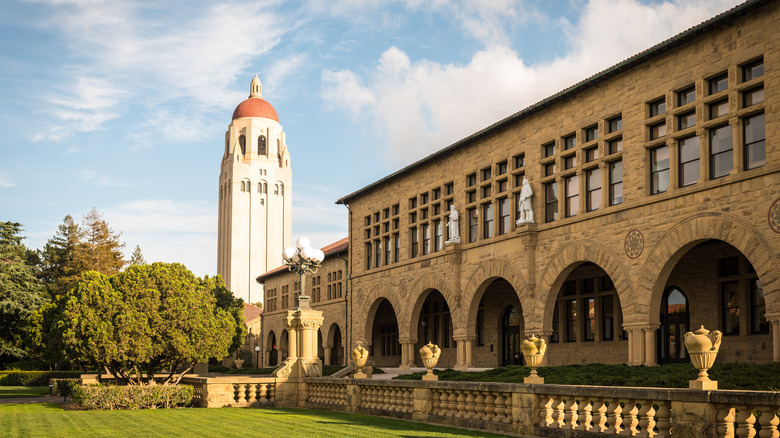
<point x="49" y="420"/>
<point x="23" y="391"/>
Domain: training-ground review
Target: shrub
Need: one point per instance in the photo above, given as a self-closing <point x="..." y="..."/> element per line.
<point x="64" y="387"/>
<point x="132" y="397"/>
<point x="33" y="378"/>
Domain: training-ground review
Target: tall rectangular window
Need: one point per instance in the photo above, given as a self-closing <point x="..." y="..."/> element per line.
<point x="414" y="241"/>
<point x="571" y="320"/>
<point x="369" y="251"/>
<point x="551" y="202"/>
<point x="438" y="236"/>
<point x="589" y="330"/>
<point x="616" y="182"/>
<point x="378" y="249"/>
<point x="397" y="252"/>
<point x="730" y="307"/>
<point x="755" y="141"/>
<point x="721" y="152"/>
<point x="473" y="224"/>
<point x="503" y="215"/>
<point x="758" y="321"/>
<point x="593" y="179"/>
<point x="607" y="318"/>
<point x="487" y="212"/>
<point x="426" y="239"/>
<point x="388" y="251"/>
<point x="572" y="195"/>
<point x="689" y="161"/>
<point x="659" y="170"/>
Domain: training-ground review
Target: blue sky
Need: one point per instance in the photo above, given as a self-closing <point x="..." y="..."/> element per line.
<point x="122" y="105"/>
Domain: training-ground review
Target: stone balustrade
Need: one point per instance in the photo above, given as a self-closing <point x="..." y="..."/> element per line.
<point x="235" y="391"/>
<point x="556" y="410"/>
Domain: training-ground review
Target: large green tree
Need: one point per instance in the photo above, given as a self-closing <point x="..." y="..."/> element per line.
<point x="20" y="292"/>
<point x="140" y="321"/>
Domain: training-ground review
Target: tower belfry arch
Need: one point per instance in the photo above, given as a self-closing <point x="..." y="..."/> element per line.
<point x="254" y="223"/>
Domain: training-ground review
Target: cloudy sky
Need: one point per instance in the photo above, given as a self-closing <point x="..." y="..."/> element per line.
<point x="122" y="105"/>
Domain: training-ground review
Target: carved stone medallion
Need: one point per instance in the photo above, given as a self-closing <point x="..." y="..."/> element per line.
<point x="359" y="296"/>
<point x="774" y="216"/>
<point x="635" y="244"/>
<point x="402" y="288"/>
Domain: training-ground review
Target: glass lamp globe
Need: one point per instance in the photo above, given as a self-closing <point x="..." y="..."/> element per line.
<point x="288" y="253"/>
<point x="302" y="242"/>
<point x="308" y="252"/>
<point x="319" y="256"/>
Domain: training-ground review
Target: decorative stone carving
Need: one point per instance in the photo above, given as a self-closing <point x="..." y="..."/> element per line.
<point x="311" y="368"/>
<point x="773" y="216"/>
<point x="702" y="348"/>
<point x="359" y="357"/>
<point x="526" y="210"/>
<point x="634" y="244"/>
<point x="452" y="226"/>
<point x="283" y="371"/>
<point x="533" y="351"/>
<point x="429" y="354"/>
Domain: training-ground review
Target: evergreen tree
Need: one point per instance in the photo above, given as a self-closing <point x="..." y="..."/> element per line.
<point x="60" y="269"/>
<point x="101" y="250"/>
<point x="20" y="292"/>
<point x="137" y="258"/>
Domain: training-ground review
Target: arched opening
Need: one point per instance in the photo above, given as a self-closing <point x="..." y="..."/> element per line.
<point x="385" y="347"/>
<point x="587" y="319"/>
<point x="489" y="347"/>
<point x="273" y="351"/>
<point x="284" y="344"/>
<point x="262" y="148"/>
<point x="511" y="337"/>
<point x="435" y="326"/>
<point x="674" y="324"/>
<point x="336" y="346"/>
<point x="242" y="144"/>
<point x="722" y="291"/>
<point x="320" y="349"/>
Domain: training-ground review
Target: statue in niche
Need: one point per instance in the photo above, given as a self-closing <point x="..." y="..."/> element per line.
<point x="526" y="212"/>
<point x="452" y="226"/>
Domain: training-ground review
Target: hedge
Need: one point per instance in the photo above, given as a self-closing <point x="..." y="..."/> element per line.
<point x="132" y="397"/>
<point x="34" y="378"/>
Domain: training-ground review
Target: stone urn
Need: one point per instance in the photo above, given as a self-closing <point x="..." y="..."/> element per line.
<point x="533" y="351"/>
<point x="359" y="357"/>
<point x="239" y="363"/>
<point x="702" y="348"/>
<point x="429" y="354"/>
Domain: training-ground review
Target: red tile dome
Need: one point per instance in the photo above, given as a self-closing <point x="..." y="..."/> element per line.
<point x="255" y="107"/>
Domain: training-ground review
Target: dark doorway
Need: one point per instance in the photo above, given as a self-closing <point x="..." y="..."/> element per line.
<point x="337" y="350"/>
<point x="510" y="337"/>
<point x="273" y="355"/>
<point x="674" y="324"/>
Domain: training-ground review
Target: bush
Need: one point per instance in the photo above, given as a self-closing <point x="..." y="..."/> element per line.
<point x="33" y="378"/>
<point x="132" y="397"/>
<point x="64" y="387"/>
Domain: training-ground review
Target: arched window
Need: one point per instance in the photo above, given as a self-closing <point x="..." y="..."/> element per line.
<point x="276" y="189"/>
<point x="261" y="146"/>
<point x="674" y="323"/>
<point x="242" y="143"/>
<point x="281" y="189"/>
<point x="242" y="186"/>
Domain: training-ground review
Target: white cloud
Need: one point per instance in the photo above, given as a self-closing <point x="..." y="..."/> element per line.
<point x="93" y="178"/>
<point x="6" y="182"/>
<point x="420" y="107"/>
<point x="316" y="216"/>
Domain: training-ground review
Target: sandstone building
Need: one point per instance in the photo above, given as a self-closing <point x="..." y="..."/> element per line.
<point x="255" y="196"/>
<point x="657" y="209"/>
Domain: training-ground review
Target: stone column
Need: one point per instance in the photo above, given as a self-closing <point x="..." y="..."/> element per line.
<point x="407" y="353"/>
<point x="327" y="355"/>
<point x="291" y="324"/>
<point x="460" y="349"/>
<point x="774" y="321"/>
<point x="650" y="344"/>
<point x="636" y="344"/>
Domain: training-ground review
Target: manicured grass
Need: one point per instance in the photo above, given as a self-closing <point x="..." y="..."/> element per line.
<point x="757" y="377"/>
<point x="23" y="391"/>
<point x="48" y="420"/>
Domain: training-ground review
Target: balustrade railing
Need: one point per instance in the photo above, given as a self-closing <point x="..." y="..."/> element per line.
<point x="236" y="391"/>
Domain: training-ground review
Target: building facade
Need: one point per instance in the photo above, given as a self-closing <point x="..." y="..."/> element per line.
<point x="328" y="291"/>
<point x="255" y="196"/>
<point x="656" y="204"/>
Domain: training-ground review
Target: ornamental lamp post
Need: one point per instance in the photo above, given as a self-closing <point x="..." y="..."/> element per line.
<point x="257" y="356"/>
<point x="302" y="259"/>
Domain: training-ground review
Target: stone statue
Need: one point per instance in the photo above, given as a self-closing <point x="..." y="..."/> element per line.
<point x="526" y="212"/>
<point x="452" y="226"/>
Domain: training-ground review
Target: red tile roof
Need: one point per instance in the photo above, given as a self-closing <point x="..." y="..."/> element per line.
<point x="336" y="247"/>
<point x="251" y="312"/>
